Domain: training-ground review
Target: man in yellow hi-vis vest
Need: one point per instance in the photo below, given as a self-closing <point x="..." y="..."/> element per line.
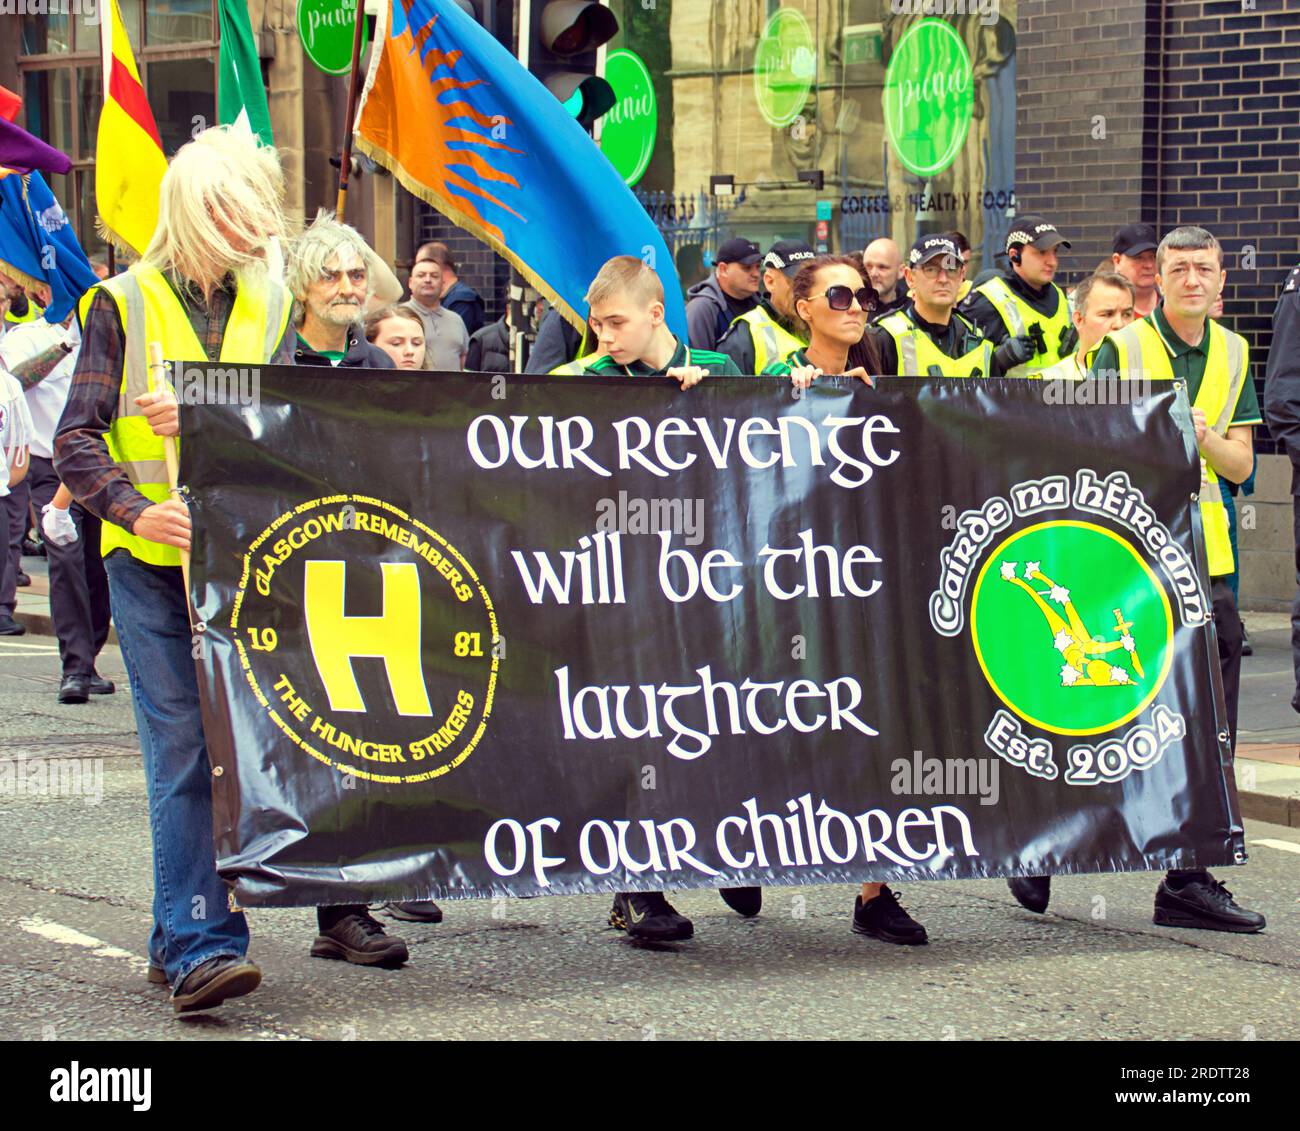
<point x="926" y="337"/>
<point x="202" y="289"/>
<point x="1178" y="340"/>
<point x="772" y="330"/>
<point x="1023" y="309"/>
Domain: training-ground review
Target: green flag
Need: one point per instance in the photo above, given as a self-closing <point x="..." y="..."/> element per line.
<point x="240" y="93"/>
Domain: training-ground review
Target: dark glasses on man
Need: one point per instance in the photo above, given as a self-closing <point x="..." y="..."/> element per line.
<point x="841" y="297"/>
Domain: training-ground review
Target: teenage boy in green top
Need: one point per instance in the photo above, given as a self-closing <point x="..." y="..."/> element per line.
<point x="626" y="304"/>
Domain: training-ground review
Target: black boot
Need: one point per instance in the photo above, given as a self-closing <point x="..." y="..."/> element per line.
<point x="1033" y="893"/>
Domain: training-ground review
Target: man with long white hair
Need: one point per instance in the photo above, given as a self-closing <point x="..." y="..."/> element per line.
<point x="203" y="290"/>
<point x="334" y="274"/>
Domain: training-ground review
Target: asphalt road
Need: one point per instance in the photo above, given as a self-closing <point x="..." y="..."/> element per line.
<point x="74" y="916"/>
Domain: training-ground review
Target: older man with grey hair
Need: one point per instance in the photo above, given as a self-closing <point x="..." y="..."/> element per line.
<point x="334" y="274"/>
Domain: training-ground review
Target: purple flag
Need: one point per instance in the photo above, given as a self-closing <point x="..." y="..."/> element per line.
<point x="22" y="152"/>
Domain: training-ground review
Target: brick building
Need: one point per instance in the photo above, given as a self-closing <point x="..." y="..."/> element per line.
<point x="1201" y="109"/>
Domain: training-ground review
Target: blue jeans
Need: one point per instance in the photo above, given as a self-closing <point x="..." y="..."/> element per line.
<point x="192" y="917"/>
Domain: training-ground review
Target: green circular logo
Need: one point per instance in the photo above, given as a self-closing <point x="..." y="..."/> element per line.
<point x="785" y="64"/>
<point x="1071" y="627"/>
<point x="326" y="28"/>
<point x="628" y="131"/>
<point x="928" y="97"/>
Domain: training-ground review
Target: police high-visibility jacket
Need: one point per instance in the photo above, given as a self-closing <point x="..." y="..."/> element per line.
<point x="1139" y="346"/>
<point x="772" y="341"/>
<point x="1018" y="317"/>
<point x="151" y="312"/>
<point x="917" y="353"/>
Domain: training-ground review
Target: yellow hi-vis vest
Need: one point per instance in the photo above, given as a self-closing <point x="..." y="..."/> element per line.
<point x="575" y="368"/>
<point x="151" y="312"/>
<point x="917" y="351"/>
<point x="772" y="341"/>
<point x="1139" y="346"/>
<point x="33" y="312"/>
<point x="1018" y="316"/>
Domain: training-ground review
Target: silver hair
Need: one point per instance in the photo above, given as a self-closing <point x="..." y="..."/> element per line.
<point x="317" y="245"/>
<point x="1187" y="238"/>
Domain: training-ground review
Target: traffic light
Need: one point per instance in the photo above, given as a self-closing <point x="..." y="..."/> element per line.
<point x="565" y="35"/>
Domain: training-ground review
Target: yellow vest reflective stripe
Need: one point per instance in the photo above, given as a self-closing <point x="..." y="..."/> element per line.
<point x="1225" y="377"/>
<point x="917" y="351"/>
<point x="1017" y="315"/>
<point x="575" y="368"/>
<point x="151" y="312"/>
<point x="772" y="341"/>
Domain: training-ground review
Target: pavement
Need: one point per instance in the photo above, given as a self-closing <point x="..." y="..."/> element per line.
<point x="76" y="885"/>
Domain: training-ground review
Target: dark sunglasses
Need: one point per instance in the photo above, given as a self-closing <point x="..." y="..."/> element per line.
<point x="841" y="298"/>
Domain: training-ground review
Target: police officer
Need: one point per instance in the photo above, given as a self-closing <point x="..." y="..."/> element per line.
<point x="772" y="330"/>
<point x="926" y="337"/>
<point x="1023" y="306"/>
<point x="1282" y="407"/>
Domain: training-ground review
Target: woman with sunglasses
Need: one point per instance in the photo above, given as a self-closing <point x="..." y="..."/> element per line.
<point x="834" y="298"/>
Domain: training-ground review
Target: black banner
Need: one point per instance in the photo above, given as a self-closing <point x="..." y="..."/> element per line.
<point x="474" y="635"/>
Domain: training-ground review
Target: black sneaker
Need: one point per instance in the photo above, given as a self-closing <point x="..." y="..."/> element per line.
<point x="1203" y="903"/>
<point x="211" y="983"/>
<point x="647" y="915"/>
<point x="360" y="939"/>
<point x="884" y="918"/>
<point x="1033" y="893"/>
<point x="744" y="901"/>
<point x="424" y="911"/>
<point x="1246" y="649"/>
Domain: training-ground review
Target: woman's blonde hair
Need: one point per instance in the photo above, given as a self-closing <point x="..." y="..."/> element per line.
<point x="223" y="174"/>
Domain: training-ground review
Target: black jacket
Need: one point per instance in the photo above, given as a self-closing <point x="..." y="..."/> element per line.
<point x="1282" y="377"/>
<point x="489" y="349"/>
<point x="361" y="354"/>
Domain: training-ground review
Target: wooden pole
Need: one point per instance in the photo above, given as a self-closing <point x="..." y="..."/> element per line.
<point x="353" y="83"/>
<point x="171" y="453"/>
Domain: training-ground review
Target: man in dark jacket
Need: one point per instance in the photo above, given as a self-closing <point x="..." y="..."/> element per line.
<point x="1282" y="411"/>
<point x="732" y="290"/>
<point x="489" y="349"/>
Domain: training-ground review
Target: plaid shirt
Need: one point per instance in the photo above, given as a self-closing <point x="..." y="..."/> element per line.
<point x="80" y="450"/>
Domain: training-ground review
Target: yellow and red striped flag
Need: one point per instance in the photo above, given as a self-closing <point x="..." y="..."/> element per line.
<point x="129" y="160"/>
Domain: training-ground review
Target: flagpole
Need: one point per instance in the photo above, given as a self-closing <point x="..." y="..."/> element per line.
<point x="346" y="162"/>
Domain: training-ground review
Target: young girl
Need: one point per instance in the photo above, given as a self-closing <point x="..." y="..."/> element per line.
<point x="834" y="298"/>
<point x="399" y="332"/>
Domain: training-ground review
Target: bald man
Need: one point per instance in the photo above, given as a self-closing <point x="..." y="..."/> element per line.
<point x="884" y="264"/>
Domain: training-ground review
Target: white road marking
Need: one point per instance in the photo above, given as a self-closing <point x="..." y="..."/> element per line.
<point x="12" y="648"/>
<point x="57" y="932"/>
<point x="1284" y="845"/>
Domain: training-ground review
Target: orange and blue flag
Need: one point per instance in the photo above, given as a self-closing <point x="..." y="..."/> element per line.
<point x="464" y="126"/>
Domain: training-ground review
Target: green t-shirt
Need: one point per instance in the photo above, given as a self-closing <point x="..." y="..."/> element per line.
<point x="714" y="364"/>
<point x="1187" y="362"/>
